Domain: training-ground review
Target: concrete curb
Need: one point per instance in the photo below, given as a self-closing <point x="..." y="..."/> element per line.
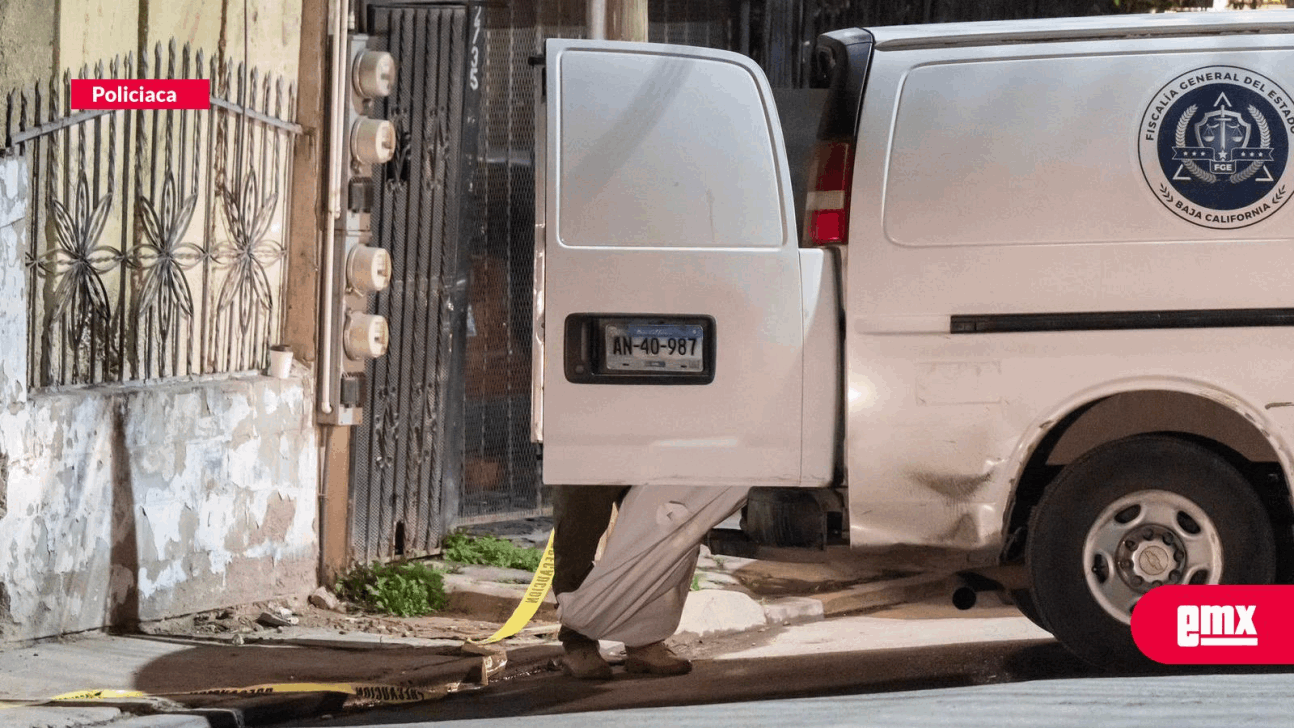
<point x="793" y="610"/>
<point x="48" y="716"/>
<point x="173" y="720"/>
<point x="491" y="601"/>
<point x="875" y="595"/>
<point x="719" y="611"/>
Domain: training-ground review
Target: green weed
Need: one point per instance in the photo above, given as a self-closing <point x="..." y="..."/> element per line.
<point x="696" y="582"/>
<point x="490" y="551"/>
<point x="407" y="589"/>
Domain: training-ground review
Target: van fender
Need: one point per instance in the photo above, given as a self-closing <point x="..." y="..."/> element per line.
<point x="1043" y="426"/>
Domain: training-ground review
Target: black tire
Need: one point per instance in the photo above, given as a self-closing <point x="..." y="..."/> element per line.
<point x="1023" y="600"/>
<point x="1162" y="470"/>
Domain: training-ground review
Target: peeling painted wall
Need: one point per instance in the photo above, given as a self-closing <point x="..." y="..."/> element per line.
<point x="137" y="502"/>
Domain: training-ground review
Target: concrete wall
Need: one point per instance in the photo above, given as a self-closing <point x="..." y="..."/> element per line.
<point x="135" y="502"/>
<point x="28" y="29"/>
<point x="274" y="29"/>
<point x="90" y="31"/>
<point x="39" y="37"/>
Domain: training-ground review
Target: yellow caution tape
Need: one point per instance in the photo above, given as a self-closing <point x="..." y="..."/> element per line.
<point x="366" y="691"/>
<point x="530" y="602"/>
<point x="347" y="688"/>
<point x="100" y="695"/>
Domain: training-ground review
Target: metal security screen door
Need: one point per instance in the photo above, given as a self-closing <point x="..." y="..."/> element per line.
<point x="406" y="457"/>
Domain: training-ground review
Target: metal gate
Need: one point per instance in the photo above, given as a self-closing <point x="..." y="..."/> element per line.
<point x="406" y="458"/>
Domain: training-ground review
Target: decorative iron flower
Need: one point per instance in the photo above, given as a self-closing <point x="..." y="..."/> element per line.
<point x="247" y="217"/>
<point x="80" y="300"/>
<point x="386" y="428"/>
<point x="422" y="426"/>
<point x="165" y="256"/>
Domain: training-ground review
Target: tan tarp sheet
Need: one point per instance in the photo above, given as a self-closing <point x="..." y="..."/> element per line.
<point x="636" y="591"/>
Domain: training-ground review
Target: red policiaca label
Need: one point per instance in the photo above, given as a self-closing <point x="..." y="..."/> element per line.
<point x="159" y="93"/>
<point x="1216" y="624"/>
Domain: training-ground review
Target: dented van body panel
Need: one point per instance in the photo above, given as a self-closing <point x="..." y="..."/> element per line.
<point x="1000" y="172"/>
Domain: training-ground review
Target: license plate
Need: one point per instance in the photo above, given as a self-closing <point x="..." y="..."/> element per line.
<point x="658" y="348"/>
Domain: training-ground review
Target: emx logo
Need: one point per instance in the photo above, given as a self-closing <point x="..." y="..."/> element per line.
<point x="1215" y="625"/>
<point x="1212" y="625"/>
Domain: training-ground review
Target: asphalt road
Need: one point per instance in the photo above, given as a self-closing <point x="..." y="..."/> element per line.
<point x="803" y="676"/>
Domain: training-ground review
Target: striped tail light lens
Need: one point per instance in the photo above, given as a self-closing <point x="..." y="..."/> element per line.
<point x="827" y="203"/>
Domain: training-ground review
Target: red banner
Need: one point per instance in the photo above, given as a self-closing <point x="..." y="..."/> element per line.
<point x="1216" y="625"/>
<point x="159" y="93"/>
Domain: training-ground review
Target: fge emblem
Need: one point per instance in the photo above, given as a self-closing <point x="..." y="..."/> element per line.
<point x="1207" y="625"/>
<point x="1214" y="146"/>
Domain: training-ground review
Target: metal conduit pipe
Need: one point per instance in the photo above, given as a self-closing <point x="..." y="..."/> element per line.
<point x="336" y="122"/>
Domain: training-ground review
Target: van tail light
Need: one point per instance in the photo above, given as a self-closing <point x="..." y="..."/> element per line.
<point x="827" y="204"/>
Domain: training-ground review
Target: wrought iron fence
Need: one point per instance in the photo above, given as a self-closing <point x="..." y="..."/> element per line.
<point x="157" y="237"/>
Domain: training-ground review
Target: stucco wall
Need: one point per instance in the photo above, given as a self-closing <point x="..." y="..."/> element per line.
<point x="27" y="34"/>
<point x="37" y="35"/>
<point x="90" y="31"/>
<point x="274" y="29"/>
<point x="137" y="502"/>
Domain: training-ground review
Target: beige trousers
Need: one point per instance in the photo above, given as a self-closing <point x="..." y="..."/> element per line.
<point x="635" y="593"/>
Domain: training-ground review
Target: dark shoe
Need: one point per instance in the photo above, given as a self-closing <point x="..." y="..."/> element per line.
<point x="584" y="661"/>
<point x="655" y="659"/>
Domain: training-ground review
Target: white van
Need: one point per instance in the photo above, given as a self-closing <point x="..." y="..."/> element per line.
<point x="1040" y="315"/>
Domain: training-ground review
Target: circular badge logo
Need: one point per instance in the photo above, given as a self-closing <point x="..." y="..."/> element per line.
<point x="1214" y="146"/>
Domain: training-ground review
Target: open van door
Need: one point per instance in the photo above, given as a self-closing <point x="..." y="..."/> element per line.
<point x="669" y="294"/>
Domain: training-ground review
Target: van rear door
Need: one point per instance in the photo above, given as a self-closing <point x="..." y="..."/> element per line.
<point x="668" y="274"/>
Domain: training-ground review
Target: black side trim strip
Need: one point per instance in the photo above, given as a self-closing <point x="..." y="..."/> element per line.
<point x="996" y="323"/>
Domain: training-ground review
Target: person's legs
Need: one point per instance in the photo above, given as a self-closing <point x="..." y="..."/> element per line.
<point x="636" y="592"/>
<point x="581" y="514"/>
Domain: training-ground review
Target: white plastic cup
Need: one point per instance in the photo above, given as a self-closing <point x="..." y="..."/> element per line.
<point x="280" y="361"/>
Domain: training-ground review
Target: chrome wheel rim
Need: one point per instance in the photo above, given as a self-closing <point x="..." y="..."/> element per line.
<point x="1144" y="540"/>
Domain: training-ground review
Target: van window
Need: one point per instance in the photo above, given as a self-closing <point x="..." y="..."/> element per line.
<point x="661" y="151"/>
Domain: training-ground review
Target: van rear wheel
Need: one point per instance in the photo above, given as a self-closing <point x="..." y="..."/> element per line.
<point x="1132" y="515"/>
<point x="1023" y="600"/>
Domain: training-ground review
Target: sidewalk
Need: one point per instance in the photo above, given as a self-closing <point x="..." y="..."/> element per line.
<point x="172" y="672"/>
<point x="413" y="658"/>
